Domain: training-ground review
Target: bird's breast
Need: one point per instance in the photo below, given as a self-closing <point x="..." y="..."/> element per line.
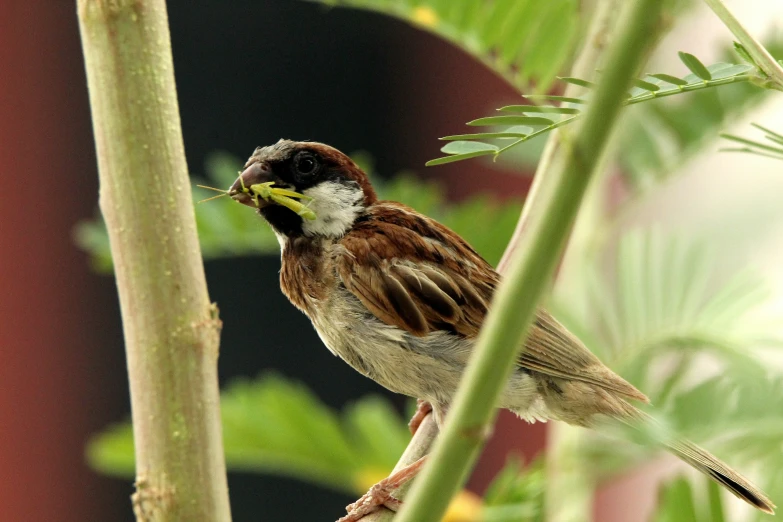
<point x="425" y="367"/>
<point x="305" y="276"/>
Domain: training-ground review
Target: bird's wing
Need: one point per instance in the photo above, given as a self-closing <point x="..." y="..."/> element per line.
<point x="414" y="273"/>
<point x="552" y="350"/>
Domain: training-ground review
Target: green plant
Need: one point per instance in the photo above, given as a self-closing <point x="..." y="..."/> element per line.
<point x="652" y="304"/>
<point x="268" y="427"/>
<point x="525" y="42"/>
<point x="774" y="151"/>
<point x="526" y="118"/>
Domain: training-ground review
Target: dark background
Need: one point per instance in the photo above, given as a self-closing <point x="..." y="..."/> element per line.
<point x="248" y="73"/>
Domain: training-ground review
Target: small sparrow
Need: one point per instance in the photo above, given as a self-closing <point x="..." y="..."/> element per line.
<point x="401" y="298"/>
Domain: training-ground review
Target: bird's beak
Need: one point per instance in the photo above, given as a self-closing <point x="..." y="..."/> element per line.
<point x="241" y="190"/>
<point x="254" y="188"/>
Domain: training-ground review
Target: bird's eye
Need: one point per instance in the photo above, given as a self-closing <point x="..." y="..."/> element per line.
<point x="305" y="164"/>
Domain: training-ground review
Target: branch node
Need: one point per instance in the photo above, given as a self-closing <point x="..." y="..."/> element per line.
<point x="148" y="501"/>
<point x="212" y="324"/>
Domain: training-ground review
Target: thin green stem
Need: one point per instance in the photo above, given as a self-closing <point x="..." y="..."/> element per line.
<point x="757" y="51"/>
<point x="529" y="275"/>
<point x="752" y="143"/>
<point x="532" y="135"/>
<point x="652" y="95"/>
<point x="171" y="329"/>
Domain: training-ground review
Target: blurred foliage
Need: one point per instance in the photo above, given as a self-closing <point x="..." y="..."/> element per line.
<point x="659" y="295"/>
<point x="679" y="502"/>
<point x="757" y="147"/>
<point x="521" y="123"/>
<point x="517" y="493"/>
<point x="226" y="229"/>
<point x="269" y="426"/>
<point x="526" y="42"/>
<point x="659" y="137"/>
<point x="657" y="312"/>
<point x="274" y="425"/>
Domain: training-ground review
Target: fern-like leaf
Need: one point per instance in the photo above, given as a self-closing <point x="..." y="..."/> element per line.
<point x="758" y="148"/>
<point x="273" y="425"/>
<point x="664" y="300"/>
<point x="650" y="87"/>
<point x="527" y="42"/>
<point x="657" y="138"/>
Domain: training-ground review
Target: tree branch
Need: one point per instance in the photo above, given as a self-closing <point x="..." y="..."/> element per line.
<point x="530" y="270"/>
<point x="171" y="330"/>
<point x="757" y="51"/>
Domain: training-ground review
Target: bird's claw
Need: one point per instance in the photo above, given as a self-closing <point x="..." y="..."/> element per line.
<point x="381" y="493"/>
<point x="378" y="495"/>
<point x="423" y="408"/>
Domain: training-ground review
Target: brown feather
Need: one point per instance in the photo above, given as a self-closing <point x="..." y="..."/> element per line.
<point x="705" y="462"/>
<point x="445" y="284"/>
<point x="384" y="241"/>
<point x="403" y="303"/>
<point x="428" y="294"/>
<point x="553" y="350"/>
<point x="418" y="297"/>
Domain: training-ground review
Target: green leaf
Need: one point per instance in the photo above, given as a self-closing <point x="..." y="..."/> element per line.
<point x="676" y="503"/>
<point x="661" y="136"/>
<point x="516" y="493"/>
<point x="112" y="452"/>
<point x="743" y="53"/>
<point x="552" y="97"/>
<point x="715" y="502"/>
<point x="578" y="81"/>
<point x="273" y="425"/>
<point x="752" y="143"/>
<point x="516" y="131"/>
<point x="771" y="135"/>
<point x="468" y="147"/>
<point x="719" y="71"/>
<point x="526" y="42"/>
<point x="649" y="154"/>
<point x="694" y="65"/>
<point x="758" y="148"/>
<point x="647" y="86"/>
<point x="510" y="120"/>
<point x="457" y="157"/>
<point x="670" y="79"/>
<point x="539" y="108"/>
<point x="664" y="299"/>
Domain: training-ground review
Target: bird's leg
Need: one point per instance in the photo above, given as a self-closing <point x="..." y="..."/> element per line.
<point x="422" y="409"/>
<point x="381" y="493"/>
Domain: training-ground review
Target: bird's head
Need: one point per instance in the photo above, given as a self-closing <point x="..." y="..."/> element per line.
<point x="304" y="188"/>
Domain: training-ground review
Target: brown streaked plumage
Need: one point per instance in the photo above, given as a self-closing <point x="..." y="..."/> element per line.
<point x="401" y="298"/>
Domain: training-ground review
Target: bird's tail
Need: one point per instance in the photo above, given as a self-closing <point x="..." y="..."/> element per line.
<point x="718" y="471"/>
<point x="705" y="462"/>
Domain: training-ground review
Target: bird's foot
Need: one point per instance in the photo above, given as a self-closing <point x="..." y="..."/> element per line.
<point x="423" y="408"/>
<point x="381" y="493"/>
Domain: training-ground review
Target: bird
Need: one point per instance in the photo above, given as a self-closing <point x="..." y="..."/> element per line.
<point x="401" y="298"/>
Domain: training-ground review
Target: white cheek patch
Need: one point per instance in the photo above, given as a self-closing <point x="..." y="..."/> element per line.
<point x="336" y="206"/>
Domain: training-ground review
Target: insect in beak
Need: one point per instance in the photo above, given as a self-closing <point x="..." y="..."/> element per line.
<point x="222" y="193"/>
<point x="267" y="192"/>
